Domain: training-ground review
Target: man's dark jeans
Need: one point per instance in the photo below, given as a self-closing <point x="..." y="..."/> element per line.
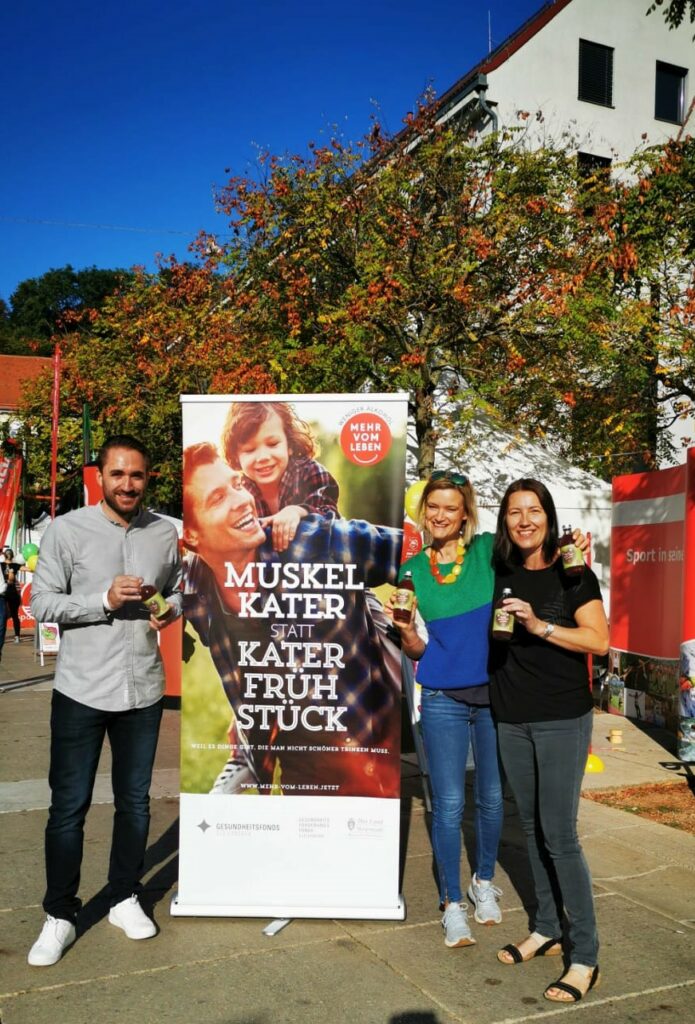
<point x="77" y="736"/>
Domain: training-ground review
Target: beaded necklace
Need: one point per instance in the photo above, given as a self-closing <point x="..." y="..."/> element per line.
<point x="452" y="576"/>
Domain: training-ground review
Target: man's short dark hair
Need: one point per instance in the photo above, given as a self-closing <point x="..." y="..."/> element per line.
<point x="202" y="454"/>
<point x="122" y="441"/>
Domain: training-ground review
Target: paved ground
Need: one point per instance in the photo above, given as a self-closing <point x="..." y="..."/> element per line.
<point x="228" y="972"/>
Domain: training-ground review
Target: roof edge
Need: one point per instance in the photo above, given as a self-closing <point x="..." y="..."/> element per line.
<point x="505" y="50"/>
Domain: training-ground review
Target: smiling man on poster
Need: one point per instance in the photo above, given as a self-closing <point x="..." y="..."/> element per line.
<point x="293" y="638"/>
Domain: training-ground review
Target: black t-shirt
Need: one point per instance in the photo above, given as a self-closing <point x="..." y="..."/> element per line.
<point x="12" y="588"/>
<point x="532" y="680"/>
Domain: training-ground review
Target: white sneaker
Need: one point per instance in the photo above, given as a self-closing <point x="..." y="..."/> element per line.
<point x="129" y="915"/>
<point x="484" y="896"/>
<point x="455" y="925"/>
<point x="235" y="777"/>
<point x="56" y="936"/>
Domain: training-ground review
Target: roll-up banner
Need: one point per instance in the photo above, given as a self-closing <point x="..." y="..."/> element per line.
<point x="10" y="478"/>
<point x="652" y="656"/>
<point x="291" y="686"/>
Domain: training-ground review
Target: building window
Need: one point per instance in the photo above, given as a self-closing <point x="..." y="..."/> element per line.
<point x="595" y="73"/>
<point x="590" y="163"/>
<point x="669" y="103"/>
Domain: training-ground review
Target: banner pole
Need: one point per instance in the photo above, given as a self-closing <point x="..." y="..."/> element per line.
<point x="54" y="427"/>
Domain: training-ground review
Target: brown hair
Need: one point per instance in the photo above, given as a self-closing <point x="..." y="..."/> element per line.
<point x="202" y="454"/>
<point x="505" y="553"/>
<point x="245" y="419"/>
<point x="122" y="441"/>
<point x="442" y="483"/>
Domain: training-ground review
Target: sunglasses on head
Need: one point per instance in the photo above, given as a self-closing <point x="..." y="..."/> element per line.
<point x="449" y="474"/>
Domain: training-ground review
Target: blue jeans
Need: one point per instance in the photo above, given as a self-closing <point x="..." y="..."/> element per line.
<point x="447" y="728"/>
<point x="544" y="763"/>
<point x="77" y="736"/>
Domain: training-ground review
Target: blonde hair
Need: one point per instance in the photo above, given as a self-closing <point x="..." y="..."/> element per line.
<point x="470" y="506"/>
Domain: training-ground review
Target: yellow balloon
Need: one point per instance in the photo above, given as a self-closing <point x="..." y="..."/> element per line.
<point x="31" y="562"/>
<point x="594" y="764"/>
<point x="412" y="499"/>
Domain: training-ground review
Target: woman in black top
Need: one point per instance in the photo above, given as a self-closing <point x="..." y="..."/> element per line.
<point x="542" y="702"/>
<point x="10" y="569"/>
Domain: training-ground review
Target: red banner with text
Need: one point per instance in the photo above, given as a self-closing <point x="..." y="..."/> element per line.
<point x="652" y="605"/>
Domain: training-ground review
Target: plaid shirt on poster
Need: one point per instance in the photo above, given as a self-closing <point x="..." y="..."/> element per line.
<point x="305" y="482"/>
<point x="364" y="685"/>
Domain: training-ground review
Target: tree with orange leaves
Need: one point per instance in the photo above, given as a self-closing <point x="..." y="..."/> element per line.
<point x="169" y="333"/>
<point x="474" y="274"/>
<point x="432" y="263"/>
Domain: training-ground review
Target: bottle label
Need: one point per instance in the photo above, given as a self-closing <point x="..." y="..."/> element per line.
<point x="503" y="620"/>
<point x="572" y="557"/>
<point x="157" y="606"/>
<point x="404" y="599"/>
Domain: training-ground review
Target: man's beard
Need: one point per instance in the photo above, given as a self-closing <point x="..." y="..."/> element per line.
<point x="124" y="513"/>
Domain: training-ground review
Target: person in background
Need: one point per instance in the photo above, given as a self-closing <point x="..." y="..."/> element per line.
<point x="544" y="710"/>
<point x="12" y="595"/>
<point x="3" y="611"/>
<point x="109" y="681"/>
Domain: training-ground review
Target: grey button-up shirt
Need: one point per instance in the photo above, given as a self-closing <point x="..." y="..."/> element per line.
<point x="107" y="660"/>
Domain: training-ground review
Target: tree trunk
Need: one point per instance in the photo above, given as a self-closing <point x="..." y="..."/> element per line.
<point x="423" y="399"/>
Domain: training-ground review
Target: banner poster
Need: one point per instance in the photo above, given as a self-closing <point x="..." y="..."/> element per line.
<point x="291" y="682"/>
<point x="10" y="480"/>
<point x="49" y="638"/>
<point x="652" y="657"/>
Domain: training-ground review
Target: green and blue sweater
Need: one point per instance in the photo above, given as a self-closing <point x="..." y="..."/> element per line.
<point x="457" y="617"/>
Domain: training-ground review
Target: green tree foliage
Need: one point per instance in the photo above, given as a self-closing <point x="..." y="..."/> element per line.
<point x="166" y="334"/>
<point x="674" y="11"/>
<point x="42" y="307"/>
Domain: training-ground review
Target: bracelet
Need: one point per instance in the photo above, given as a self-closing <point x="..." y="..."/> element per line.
<point x="548" y="631"/>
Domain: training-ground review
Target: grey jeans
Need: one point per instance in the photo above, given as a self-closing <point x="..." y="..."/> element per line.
<point x="544" y="763"/>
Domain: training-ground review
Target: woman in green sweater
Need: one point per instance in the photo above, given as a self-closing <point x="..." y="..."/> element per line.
<point x="454" y="581"/>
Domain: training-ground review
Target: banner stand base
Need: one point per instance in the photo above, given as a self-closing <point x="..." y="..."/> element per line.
<point x="397" y="913"/>
<point x="276" y="926"/>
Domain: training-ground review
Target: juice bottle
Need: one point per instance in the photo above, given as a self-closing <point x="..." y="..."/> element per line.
<point x="153" y="601"/>
<point x="572" y="558"/>
<point x="404" y="598"/>
<point x="502" y="620"/>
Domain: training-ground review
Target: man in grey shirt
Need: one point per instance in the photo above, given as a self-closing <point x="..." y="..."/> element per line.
<point x="109" y="681"/>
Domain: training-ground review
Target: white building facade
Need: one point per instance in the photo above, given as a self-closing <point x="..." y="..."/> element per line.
<point x="599" y="72"/>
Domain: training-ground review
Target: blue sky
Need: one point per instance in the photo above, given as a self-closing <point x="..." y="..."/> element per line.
<point x="125" y="113"/>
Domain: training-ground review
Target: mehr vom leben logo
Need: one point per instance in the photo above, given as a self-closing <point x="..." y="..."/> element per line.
<point x="366" y="438"/>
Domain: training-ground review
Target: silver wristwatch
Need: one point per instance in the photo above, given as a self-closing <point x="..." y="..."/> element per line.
<point x="548" y="631"/>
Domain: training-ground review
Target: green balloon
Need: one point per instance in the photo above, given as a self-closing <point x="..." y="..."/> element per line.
<point x="28" y="550"/>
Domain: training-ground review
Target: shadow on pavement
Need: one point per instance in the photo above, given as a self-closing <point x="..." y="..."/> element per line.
<point x="164" y="851"/>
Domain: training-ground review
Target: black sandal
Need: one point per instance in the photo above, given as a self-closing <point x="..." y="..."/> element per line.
<point x="545" y="949"/>
<point x="576" y="994"/>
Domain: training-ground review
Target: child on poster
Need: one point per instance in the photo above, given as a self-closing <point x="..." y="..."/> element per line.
<point x="275" y="449"/>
